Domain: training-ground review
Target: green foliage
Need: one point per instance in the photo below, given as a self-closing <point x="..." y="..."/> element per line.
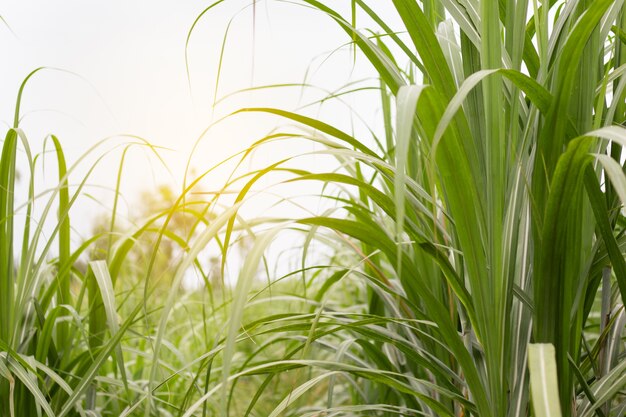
<point x="474" y="258"/>
<point x="485" y="212"/>
<point x="74" y="339"/>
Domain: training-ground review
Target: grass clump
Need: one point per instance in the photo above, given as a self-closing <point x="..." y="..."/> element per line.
<point x="471" y="261"/>
<point x="487" y="217"/>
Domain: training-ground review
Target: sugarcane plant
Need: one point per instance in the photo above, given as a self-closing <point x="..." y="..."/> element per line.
<point x="77" y="315"/>
<point x="476" y="262"/>
<point x="485" y="221"/>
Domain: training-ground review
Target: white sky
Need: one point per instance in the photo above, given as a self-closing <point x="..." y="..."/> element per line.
<point x="129" y="57"/>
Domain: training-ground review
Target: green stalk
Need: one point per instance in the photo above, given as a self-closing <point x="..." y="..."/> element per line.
<point x="63" y="276"/>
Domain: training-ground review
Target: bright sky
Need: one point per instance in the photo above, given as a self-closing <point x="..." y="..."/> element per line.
<point x="131" y="78"/>
<point x="130" y="61"/>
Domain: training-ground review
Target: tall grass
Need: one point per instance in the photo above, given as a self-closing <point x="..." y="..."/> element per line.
<point x="475" y="249"/>
<point x="486" y="220"/>
<point x="77" y="318"/>
<point x="101" y="326"/>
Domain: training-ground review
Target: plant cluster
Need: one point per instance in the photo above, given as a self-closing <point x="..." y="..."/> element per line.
<point x="476" y="245"/>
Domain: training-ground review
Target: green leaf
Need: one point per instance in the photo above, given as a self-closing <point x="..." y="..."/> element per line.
<point x="543" y="380"/>
<point x="103" y="278"/>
